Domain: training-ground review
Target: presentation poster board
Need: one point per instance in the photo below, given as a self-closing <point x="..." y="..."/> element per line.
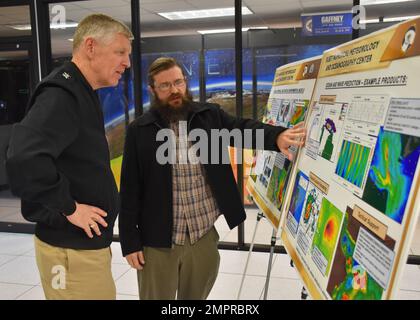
<point x="355" y="190"/>
<point x="287" y="105"/>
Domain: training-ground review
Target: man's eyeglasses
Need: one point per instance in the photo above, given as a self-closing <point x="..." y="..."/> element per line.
<point x="166" y="86"/>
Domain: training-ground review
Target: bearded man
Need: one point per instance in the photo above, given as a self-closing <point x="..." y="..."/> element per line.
<point x="168" y="210"/>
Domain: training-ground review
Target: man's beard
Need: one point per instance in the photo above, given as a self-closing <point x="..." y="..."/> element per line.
<point x="170" y="113"/>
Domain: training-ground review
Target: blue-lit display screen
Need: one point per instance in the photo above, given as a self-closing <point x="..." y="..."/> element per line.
<point x="220" y="79"/>
<point x="115" y="102"/>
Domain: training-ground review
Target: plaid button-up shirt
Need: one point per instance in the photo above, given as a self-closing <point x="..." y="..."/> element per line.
<point x="194" y="206"/>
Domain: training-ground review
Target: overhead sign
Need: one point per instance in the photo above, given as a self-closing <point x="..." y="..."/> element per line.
<point x="326" y="24"/>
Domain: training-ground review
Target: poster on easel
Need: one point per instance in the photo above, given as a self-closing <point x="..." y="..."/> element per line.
<point x="287" y="106"/>
<point x="354" y="199"/>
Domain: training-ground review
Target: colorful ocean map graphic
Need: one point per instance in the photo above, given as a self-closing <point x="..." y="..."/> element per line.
<point x="391" y="173"/>
<point x="277" y="186"/>
<point x="352" y="162"/>
<point x="300" y="112"/>
<point x="349" y="280"/>
<point x="298" y="197"/>
<point x="328" y="229"/>
<point x="310" y="212"/>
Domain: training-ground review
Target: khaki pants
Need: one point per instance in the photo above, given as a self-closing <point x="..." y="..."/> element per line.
<point x="185" y="272"/>
<point x="68" y="274"/>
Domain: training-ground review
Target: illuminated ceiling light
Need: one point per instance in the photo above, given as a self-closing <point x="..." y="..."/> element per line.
<point x="219" y="31"/>
<point x="258" y="28"/>
<point x="52" y="26"/>
<point x="369" y="21"/>
<point x="396" y="19"/>
<point x="393" y="19"/>
<point x="373" y="2"/>
<point x="229" y="30"/>
<point x="63" y="25"/>
<point x="201" y="14"/>
<point x="21" y="27"/>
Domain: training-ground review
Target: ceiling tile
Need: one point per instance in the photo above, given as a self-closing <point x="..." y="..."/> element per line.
<point x="327" y="5"/>
<point x="273" y="3"/>
<point x="284" y="9"/>
<point x="117" y="11"/>
<point x="68" y="6"/>
<point x="167" y="6"/>
<point x="16" y="10"/>
<point x="77" y="16"/>
<point x="94" y="4"/>
<point x="213" y="4"/>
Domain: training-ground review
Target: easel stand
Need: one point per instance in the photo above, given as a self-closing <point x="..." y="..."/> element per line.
<point x="304" y="293"/>
<point x="272" y="247"/>
<point x="259" y="217"/>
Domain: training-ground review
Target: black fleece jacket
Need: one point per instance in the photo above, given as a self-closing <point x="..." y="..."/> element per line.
<point x="58" y="154"/>
<point x="146" y="214"/>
